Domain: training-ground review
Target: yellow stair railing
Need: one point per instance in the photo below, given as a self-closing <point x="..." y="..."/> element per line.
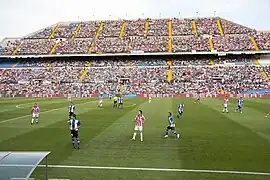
<point x="194" y="28"/>
<point x="170" y="45"/>
<point x="54" y="30"/>
<point x="53" y="48"/>
<point x="76" y="31"/>
<point x="91" y="47"/>
<point x="211" y="44"/>
<point x="146" y="27"/>
<point x="99" y="29"/>
<point x="256" y="47"/>
<point x="122" y="30"/>
<point x="212" y="62"/>
<point x="170" y="28"/>
<point x="85" y="71"/>
<point x="170" y="63"/>
<point x="220" y="27"/>
<point x="17" y="48"/>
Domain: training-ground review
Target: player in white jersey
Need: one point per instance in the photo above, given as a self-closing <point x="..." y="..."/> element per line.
<point x="240" y="105"/>
<point x="71" y="110"/>
<point x="35" y="114"/>
<point x="149" y="99"/>
<point x="180" y="110"/>
<point x="100" y="102"/>
<point x="74" y="130"/>
<point x="225" y="104"/>
<point x="139" y="125"/>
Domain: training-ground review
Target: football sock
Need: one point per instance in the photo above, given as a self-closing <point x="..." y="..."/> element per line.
<point x="73" y="143"/>
<point x="134" y="135"/>
<point x="78" y="142"/>
<point x="32" y="120"/>
<point x="141" y="136"/>
<point x="167" y="132"/>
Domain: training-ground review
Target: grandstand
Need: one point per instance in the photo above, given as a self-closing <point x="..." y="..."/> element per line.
<point x="139" y="36"/>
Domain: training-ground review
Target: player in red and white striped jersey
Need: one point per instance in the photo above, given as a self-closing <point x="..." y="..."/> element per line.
<point x="35" y="113"/>
<point x="139" y="125"/>
<point x="225" y="104"/>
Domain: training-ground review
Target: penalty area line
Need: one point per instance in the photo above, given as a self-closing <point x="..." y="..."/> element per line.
<point x="159" y="169"/>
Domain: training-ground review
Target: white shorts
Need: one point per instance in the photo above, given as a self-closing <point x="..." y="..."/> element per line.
<point x="35" y="115"/>
<point x="138" y="128"/>
<point x="100" y="101"/>
<point x="225" y="105"/>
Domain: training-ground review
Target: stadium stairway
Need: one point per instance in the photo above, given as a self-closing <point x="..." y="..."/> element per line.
<point x="194" y="28"/>
<point x="76" y="31"/>
<point x="146" y="27"/>
<point x="212" y="62"/>
<point x="220" y="27"/>
<point x="122" y="30"/>
<point x="265" y="75"/>
<point x="15" y="53"/>
<point x="254" y="43"/>
<point x="90" y="49"/>
<point x="170" y="28"/>
<point x="85" y="71"/>
<point x="54" y="30"/>
<point x="53" y="48"/>
<point x="211" y="44"/>
<point x="257" y="60"/>
<point x="99" y="30"/>
<point x="17" y="48"/>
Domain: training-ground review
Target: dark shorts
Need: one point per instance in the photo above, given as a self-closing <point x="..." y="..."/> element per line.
<point x="74" y="134"/>
<point x="239" y="107"/>
<point x="171" y="128"/>
<point x="115" y="102"/>
<point x="120" y="103"/>
<point x="71" y="113"/>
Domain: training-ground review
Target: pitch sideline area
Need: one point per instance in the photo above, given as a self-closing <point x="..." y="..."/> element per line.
<point x="159" y="169"/>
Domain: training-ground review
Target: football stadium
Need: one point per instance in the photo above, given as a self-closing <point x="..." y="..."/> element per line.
<point x="167" y="98"/>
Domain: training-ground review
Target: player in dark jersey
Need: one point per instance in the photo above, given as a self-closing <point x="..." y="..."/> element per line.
<point x="240" y="105"/>
<point x="180" y="110"/>
<point x="171" y="126"/>
<point x="74" y="130"/>
<point x="71" y="110"/>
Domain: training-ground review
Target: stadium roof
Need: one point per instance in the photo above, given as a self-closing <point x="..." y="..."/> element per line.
<point x="20" y="165"/>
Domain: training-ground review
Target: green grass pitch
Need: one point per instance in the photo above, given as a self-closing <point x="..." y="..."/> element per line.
<point x="211" y="140"/>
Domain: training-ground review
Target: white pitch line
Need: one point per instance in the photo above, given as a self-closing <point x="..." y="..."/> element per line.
<point x="160" y="169"/>
<point x="43" y="112"/>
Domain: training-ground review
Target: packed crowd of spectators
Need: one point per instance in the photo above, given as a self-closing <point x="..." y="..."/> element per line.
<point x="145" y="35"/>
<point x="263" y="40"/>
<point x="144" y="76"/>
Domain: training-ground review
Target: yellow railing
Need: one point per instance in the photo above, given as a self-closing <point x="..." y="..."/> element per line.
<point x="122" y="30"/>
<point x="170" y="28"/>
<point x="254" y="44"/>
<point x="54" y="30"/>
<point x="91" y="48"/>
<point x="265" y="75"/>
<point x="76" y="31"/>
<point x="99" y="29"/>
<point x="170" y="63"/>
<point x="194" y="28"/>
<point x="170" y="45"/>
<point x="220" y="27"/>
<point x="212" y="62"/>
<point x="146" y="27"/>
<point x="85" y="71"/>
<point x="211" y="44"/>
<point x="17" y="48"/>
<point x="53" y="48"/>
